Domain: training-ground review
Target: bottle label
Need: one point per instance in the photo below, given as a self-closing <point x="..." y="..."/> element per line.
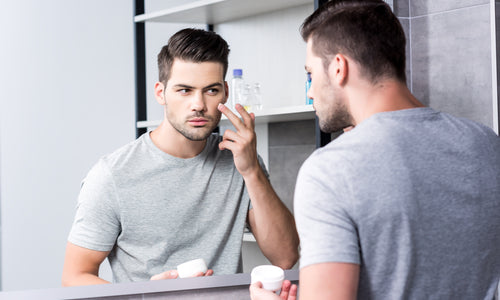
<point x="308" y="86"/>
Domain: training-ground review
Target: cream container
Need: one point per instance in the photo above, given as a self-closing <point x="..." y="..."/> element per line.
<point x="271" y="276"/>
<point x="191" y="268"/>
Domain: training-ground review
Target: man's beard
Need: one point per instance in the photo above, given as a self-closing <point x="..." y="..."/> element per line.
<point x="336" y="120"/>
<point x="196" y="134"/>
<point x="337" y="116"/>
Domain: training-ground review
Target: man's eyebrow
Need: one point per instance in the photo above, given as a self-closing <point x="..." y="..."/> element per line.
<point x="217" y="84"/>
<point x="186" y="86"/>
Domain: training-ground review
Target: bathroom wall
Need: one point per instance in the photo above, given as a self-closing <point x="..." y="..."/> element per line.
<point x="66" y="98"/>
<point x="450" y="55"/>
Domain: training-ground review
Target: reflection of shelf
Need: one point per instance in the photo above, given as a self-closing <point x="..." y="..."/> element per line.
<point x="283" y="114"/>
<point x="248" y="237"/>
<point x="268" y="115"/>
<point x="217" y="11"/>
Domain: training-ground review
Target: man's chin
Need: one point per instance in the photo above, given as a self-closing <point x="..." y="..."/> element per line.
<point x="197" y="135"/>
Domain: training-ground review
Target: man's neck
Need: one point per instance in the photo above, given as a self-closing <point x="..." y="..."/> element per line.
<point x="172" y="142"/>
<point x="389" y="95"/>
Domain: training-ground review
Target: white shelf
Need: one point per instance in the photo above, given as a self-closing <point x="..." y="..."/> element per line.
<point x="248" y="237"/>
<point x="283" y="114"/>
<point x="217" y="11"/>
<point x="269" y="115"/>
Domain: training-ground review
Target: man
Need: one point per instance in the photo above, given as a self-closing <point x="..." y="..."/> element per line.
<point x="180" y="192"/>
<point x="406" y="205"/>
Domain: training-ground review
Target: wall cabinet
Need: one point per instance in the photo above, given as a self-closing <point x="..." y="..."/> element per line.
<point x="217" y="11"/>
<point x="212" y="12"/>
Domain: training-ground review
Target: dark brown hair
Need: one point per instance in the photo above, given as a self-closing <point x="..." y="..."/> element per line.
<point x="194" y="45"/>
<point x="364" y="30"/>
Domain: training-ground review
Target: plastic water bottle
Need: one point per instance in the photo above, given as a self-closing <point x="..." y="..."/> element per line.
<point x="246" y="97"/>
<point x="308" y="86"/>
<point x="257" y="97"/>
<point x="237" y="85"/>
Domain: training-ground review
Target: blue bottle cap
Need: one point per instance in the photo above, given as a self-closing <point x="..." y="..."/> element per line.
<point x="237" y="72"/>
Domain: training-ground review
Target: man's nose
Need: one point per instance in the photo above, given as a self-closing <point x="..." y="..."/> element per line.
<point x="198" y="102"/>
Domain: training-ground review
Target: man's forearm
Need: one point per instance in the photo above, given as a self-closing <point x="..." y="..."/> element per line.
<point x="82" y="279"/>
<point x="271" y="222"/>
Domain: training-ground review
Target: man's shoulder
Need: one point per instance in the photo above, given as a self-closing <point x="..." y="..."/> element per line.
<point x="126" y="153"/>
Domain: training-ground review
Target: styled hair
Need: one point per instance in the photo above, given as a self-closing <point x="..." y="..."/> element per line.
<point x="364" y="30"/>
<point x="193" y="45"/>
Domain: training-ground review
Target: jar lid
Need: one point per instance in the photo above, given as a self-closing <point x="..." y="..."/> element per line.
<point x="270" y="276"/>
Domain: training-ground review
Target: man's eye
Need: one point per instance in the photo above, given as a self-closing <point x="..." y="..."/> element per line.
<point x="213" y="91"/>
<point x="183" y="91"/>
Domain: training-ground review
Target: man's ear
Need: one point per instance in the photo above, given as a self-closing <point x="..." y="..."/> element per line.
<point x="226" y="92"/>
<point x="160" y="93"/>
<point x="338" y="69"/>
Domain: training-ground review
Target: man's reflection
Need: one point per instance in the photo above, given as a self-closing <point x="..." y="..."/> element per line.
<point x="180" y="192"/>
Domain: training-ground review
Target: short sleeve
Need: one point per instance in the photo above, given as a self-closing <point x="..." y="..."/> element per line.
<point x="322" y="213"/>
<point x="96" y="225"/>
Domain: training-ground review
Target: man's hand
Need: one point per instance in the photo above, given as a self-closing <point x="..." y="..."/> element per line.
<point x="243" y="142"/>
<point x="288" y="292"/>
<point x="172" y="274"/>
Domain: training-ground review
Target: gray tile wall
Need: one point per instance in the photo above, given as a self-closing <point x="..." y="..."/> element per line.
<point x="449" y="58"/>
<point x="426" y="7"/>
<point x="402" y="8"/>
<point x="290" y="143"/>
<point x="405" y="23"/>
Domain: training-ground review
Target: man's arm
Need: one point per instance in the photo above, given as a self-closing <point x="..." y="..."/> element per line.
<point x="269" y="219"/>
<point x="271" y="223"/>
<point x="329" y="281"/>
<point x="81" y="266"/>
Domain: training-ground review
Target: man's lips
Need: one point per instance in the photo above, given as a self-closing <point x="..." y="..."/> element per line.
<point x="198" y="121"/>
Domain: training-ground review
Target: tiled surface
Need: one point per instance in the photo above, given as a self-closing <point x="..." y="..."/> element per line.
<point x="285" y="162"/>
<point x="291" y="133"/>
<point x="290" y="143"/>
<point x="405" y="23"/>
<point x="425" y="7"/>
<point x="402" y="8"/>
<point x="451" y="62"/>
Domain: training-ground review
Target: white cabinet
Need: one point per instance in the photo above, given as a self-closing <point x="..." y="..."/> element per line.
<point x="217" y="11"/>
<point x="221" y="11"/>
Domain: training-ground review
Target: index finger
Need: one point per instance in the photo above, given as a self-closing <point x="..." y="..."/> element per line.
<point x="248" y="118"/>
<point x="231" y="116"/>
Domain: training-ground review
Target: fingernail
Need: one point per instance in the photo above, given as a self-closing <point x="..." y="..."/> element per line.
<point x="221" y="106"/>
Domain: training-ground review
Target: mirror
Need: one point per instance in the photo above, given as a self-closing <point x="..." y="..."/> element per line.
<point x="67" y="94"/>
<point x="66" y="99"/>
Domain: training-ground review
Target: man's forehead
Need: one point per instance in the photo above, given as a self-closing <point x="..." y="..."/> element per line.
<point x="196" y="74"/>
<point x="181" y="63"/>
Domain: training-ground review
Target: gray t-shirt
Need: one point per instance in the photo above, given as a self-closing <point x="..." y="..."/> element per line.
<point x="413" y="197"/>
<point x="155" y="211"/>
